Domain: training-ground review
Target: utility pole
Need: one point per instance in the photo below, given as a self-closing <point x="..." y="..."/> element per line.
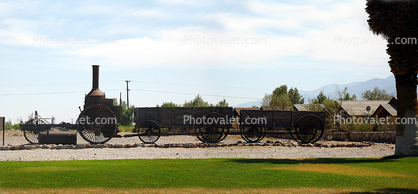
<point x="127" y="92"/>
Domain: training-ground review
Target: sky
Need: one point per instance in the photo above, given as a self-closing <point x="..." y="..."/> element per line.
<point x="172" y="50"/>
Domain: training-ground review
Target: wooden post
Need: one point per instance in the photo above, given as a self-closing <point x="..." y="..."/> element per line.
<point x="2" y="119"/>
<point x="120" y="99"/>
<point x="127" y="92"/>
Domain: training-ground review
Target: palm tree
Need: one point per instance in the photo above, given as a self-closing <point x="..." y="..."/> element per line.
<point x="396" y="20"/>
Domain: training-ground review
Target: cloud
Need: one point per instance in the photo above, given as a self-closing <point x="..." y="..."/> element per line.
<point x="266" y="35"/>
<point x="147" y="12"/>
<point x="181" y="2"/>
<point x="15" y="38"/>
<point x="193" y="47"/>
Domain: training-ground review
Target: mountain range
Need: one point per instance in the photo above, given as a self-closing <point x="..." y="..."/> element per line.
<point x="387" y="84"/>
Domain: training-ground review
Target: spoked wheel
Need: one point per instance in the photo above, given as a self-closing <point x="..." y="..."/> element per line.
<point x="34" y="136"/>
<point x="97" y="124"/>
<point x="225" y="134"/>
<point x="198" y="135"/>
<point x="149" y="132"/>
<point x="253" y="133"/>
<point x="308" y="129"/>
<point x="213" y="129"/>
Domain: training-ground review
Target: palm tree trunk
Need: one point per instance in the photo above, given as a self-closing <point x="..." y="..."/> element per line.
<point x="407" y="132"/>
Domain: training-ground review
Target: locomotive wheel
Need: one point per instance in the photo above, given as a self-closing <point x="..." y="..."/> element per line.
<point x="33" y="136"/>
<point x="97" y="124"/>
<point x="253" y="133"/>
<point x="213" y="128"/>
<point x="149" y="132"/>
<point x="308" y="129"/>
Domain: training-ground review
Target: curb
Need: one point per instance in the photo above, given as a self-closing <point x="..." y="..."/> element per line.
<point x="185" y="145"/>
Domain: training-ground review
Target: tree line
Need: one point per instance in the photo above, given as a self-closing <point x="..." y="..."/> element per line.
<point x="196" y="102"/>
<point x="283" y="98"/>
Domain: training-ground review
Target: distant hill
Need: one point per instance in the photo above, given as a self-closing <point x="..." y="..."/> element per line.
<point x="256" y="103"/>
<point x="357" y="88"/>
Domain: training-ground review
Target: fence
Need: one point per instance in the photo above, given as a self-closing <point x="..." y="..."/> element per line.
<point x="381" y="137"/>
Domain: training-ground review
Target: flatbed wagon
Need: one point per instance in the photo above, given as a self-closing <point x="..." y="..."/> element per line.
<point x="97" y="123"/>
<point x="303" y="126"/>
<point x="210" y="124"/>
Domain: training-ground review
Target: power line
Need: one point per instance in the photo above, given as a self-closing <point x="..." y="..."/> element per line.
<point x="199" y="85"/>
<point x="51" y="83"/>
<point x="155" y="91"/>
<point x="194" y="94"/>
<point x="40" y="93"/>
<point x="43" y="93"/>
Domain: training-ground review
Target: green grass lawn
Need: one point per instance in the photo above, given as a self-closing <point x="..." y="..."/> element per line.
<point x="373" y="175"/>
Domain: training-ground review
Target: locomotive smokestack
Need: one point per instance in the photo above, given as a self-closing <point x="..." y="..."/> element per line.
<point x="95" y="77"/>
<point x="95" y="95"/>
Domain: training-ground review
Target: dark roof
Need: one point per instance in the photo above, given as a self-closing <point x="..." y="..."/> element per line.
<point x="387" y="110"/>
<point x="394" y="100"/>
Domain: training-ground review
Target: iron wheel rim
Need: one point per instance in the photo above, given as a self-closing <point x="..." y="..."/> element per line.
<point x="97" y="132"/>
<point x="149" y="132"/>
<point x="308" y="129"/>
<point x="34" y="136"/>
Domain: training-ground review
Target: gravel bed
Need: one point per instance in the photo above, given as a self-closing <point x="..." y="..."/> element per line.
<point x="278" y="152"/>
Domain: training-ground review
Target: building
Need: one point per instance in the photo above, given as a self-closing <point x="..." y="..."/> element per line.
<point x="388" y="111"/>
<point x="359" y="109"/>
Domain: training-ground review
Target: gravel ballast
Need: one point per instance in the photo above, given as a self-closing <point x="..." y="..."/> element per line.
<point x="173" y="151"/>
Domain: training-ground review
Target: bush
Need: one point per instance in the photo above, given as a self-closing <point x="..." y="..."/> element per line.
<point x="9" y="126"/>
<point x="125" y="128"/>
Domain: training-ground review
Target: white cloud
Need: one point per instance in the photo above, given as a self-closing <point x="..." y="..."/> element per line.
<point x="283" y="30"/>
<point x="147" y="12"/>
<point x="16" y="38"/>
<point x="98" y="8"/>
<point x="180" y="2"/>
<point x="191" y="46"/>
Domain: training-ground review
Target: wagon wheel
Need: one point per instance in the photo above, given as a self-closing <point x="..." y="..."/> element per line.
<point x="213" y="129"/>
<point x="225" y="134"/>
<point x="97" y="124"/>
<point x="308" y="129"/>
<point x="253" y="133"/>
<point x="292" y="133"/>
<point x="148" y="132"/>
<point x="33" y="136"/>
<point x="198" y="134"/>
<point x="319" y="131"/>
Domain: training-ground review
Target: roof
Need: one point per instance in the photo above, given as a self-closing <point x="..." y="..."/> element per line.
<point x="305" y="107"/>
<point x="276" y="108"/>
<point x="238" y="110"/>
<point x="394" y="100"/>
<point x="300" y="107"/>
<point x="386" y="110"/>
<point x="358" y="108"/>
